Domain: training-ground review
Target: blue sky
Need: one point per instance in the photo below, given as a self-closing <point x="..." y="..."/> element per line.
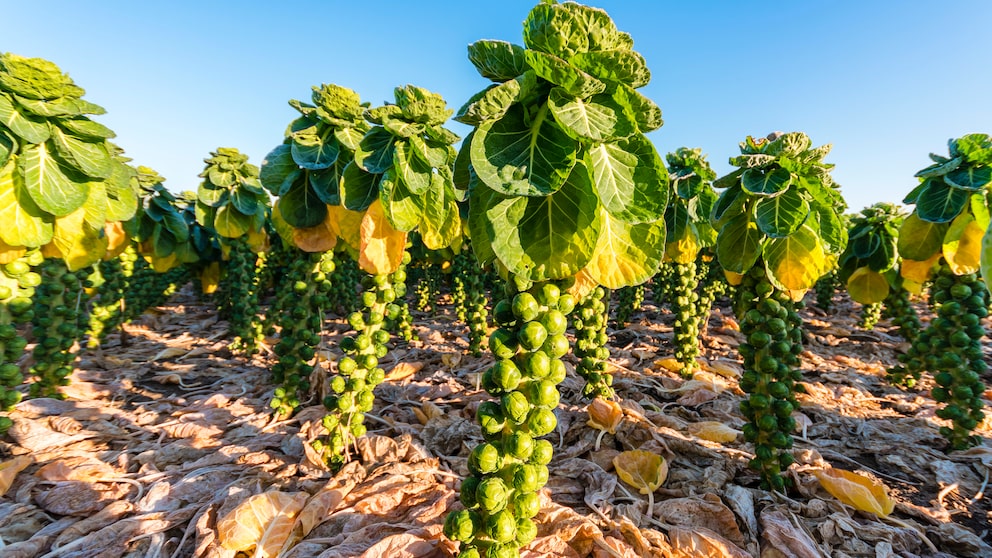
<point x="885" y="82"/>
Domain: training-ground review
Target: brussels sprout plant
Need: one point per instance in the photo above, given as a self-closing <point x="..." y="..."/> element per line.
<point x="565" y="192"/>
<point x="778" y="233"/>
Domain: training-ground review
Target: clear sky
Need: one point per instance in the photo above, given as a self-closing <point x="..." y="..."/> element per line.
<point x="884" y="81"/>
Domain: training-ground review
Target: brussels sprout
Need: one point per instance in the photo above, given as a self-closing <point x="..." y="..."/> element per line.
<point x="492" y="494"/>
<point x="485" y="459"/>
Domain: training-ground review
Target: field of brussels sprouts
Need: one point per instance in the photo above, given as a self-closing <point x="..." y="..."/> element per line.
<point x="540" y="339"/>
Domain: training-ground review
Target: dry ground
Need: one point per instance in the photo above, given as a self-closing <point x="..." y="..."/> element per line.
<point x="160" y="439"/>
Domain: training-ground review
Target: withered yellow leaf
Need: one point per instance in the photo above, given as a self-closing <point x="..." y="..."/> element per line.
<point x="10" y="253"/>
<point x="210" y="278"/>
<point x="643" y="470"/>
<point x="263" y="521"/>
<point x="605" y="415"/>
<point x="918" y="271"/>
<point x="403" y="370"/>
<point x="856" y="490"/>
<point x="322" y="238"/>
<point x="346" y="224"/>
<point x="382" y="246"/>
<point x="669" y="363"/>
<point x="584" y="284"/>
<point x="9" y="470"/>
<point x="963" y="251"/>
<point x="117" y="239"/>
<point x="713" y="431"/>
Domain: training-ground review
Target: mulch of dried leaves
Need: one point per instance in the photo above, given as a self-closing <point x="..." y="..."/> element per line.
<point x="166" y="447"/>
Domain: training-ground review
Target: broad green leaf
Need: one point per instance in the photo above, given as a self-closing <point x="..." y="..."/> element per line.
<point x="375" y="151"/>
<point x="421" y="106"/>
<point x="205" y="214"/>
<point x="728" y="205"/>
<point x="614" y="66"/>
<point x="163" y="243"/>
<point x="35" y="78"/>
<point x="597" y="119"/>
<point x="24" y="224"/>
<point x="626" y="254"/>
<point x="430" y="153"/>
<point x="95" y="208"/>
<point x="986" y="258"/>
<point x="728" y="180"/>
<point x="867" y="286"/>
<point x="797" y="261"/>
<point x="561" y="73"/>
<point x="682" y="244"/>
<point x="971" y="177"/>
<point x="941" y="168"/>
<point x="414" y="173"/>
<point x="493" y="102"/>
<point x="28" y="127"/>
<point x="326" y="183"/>
<point x="349" y="137"/>
<point x="85" y="128"/>
<point x="358" y="187"/>
<point x="752" y="161"/>
<point x="766" y="183"/>
<point x="939" y="202"/>
<point x="789" y="144"/>
<point x="497" y="60"/>
<point x="832" y="231"/>
<point x="221" y="178"/>
<point x="276" y="167"/>
<point x="211" y="195"/>
<point x="596" y="24"/>
<point x="8" y="145"/>
<point x="231" y="223"/>
<point x="548" y="237"/>
<point x="976" y="148"/>
<point x="245" y="202"/>
<point x="91" y="159"/>
<point x="689" y="186"/>
<point x="48" y="183"/>
<point x="782" y="215"/>
<point x="479" y="227"/>
<point x="447" y="234"/>
<point x="644" y="111"/>
<point x="552" y="29"/>
<point x="315" y="152"/>
<point x="462" y="172"/>
<point x="631" y="179"/>
<point x="176" y="225"/>
<point x="738" y="245"/>
<point x="401" y="207"/>
<point x="301" y="208"/>
<point x="980" y="209"/>
<point x="518" y="157"/>
<point x="64" y="106"/>
<point x="962" y="247"/>
<point x="122" y="202"/>
<point x="402" y="128"/>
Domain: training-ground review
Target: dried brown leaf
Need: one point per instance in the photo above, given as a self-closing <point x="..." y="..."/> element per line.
<point x="699" y="542"/>
<point x="169" y="352"/>
<point x="781" y="536"/>
<point x="403" y="370"/>
<point x="708" y="512"/>
<point x="9" y="470"/>
<point x="263" y="522"/>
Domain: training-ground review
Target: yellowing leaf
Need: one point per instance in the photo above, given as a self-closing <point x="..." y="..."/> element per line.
<point x="605" y="415"/>
<point x="643" y="470"/>
<point x="962" y="246"/>
<point x="347" y="224"/>
<point x="210" y="278"/>
<point x="382" y="246"/>
<point x="733" y="279"/>
<point x="987" y="258"/>
<point x="867" y="286"/>
<point x="713" y="431"/>
<point x="723" y="368"/>
<point x="117" y="239"/>
<point x="322" y="238"/>
<point x="584" y="284"/>
<point x="797" y="261"/>
<point x="626" y="254"/>
<point x="403" y="370"/>
<point x="915" y="288"/>
<point x="683" y="250"/>
<point x="856" y="490"/>
<point x="10" y="253"/>
<point x="78" y="243"/>
<point x="258" y="240"/>
<point x="9" y="470"/>
<point x="162" y="265"/>
<point x="669" y="363"/>
<point x="263" y="521"/>
<point x="917" y="271"/>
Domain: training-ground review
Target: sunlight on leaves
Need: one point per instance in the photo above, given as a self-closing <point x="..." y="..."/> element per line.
<point x="263" y="522"/>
